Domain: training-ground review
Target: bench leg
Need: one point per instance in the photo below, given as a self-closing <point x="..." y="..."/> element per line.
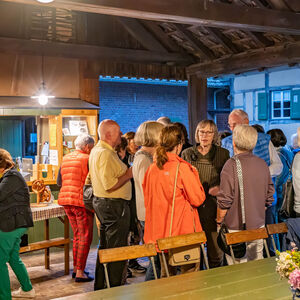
<point x="47" y="250"/>
<point x="66" y="246"/>
<point x="205" y="257"/>
<point x="232" y="254"/>
<point x="153" y="266"/>
<point x="106" y="276"/>
<point x="165" y="263"/>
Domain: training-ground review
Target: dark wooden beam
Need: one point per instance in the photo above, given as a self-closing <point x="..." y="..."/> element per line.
<point x="163" y="37"/>
<point x="248" y="61"/>
<point x="139" y="32"/>
<point x="196" y="43"/>
<point x="197" y="103"/>
<point x="201" y="12"/>
<point x="223" y="40"/>
<point x="260" y="39"/>
<point x="11" y="45"/>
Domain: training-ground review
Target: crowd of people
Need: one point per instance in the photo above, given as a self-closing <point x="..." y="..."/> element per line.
<point x="135" y="178"/>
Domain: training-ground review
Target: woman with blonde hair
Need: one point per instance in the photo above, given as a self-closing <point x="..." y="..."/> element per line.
<point x="208" y="158"/>
<point x="159" y="185"/>
<point x="15" y="218"/>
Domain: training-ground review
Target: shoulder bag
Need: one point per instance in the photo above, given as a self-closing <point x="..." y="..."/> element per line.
<point x="88" y="196"/>
<point x="287" y="208"/>
<point x="187" y="254"/>
<point x="239" y="249"/>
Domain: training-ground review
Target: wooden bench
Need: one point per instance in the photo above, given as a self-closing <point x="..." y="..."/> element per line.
<point x="275" y="229"/>
<point x="45" y="245"/>
<point x="196" y="238"/>
<point x="247" y="236"/>
<point x="124" y="253"/>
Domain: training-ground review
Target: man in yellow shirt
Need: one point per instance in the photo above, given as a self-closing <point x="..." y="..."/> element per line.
<point x="112" y="190"/>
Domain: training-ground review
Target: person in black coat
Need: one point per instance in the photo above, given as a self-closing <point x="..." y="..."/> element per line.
<point x="15" y="218"/>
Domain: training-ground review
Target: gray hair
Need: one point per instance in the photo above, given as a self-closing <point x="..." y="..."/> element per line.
<point x="241" y="113"/>
<point x="244" y="137"/>
<point x="164" y="120"/>
<point x="147" y="134"/>
<point x="83" y="140"/>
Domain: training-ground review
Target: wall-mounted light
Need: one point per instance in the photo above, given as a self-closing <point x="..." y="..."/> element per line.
<point x="45" y="1"/>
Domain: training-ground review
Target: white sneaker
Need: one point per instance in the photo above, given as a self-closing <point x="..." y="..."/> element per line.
<point x="21" y="294"/>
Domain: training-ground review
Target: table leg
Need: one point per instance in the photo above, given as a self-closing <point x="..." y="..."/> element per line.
<point x="66" y="246"/>
<point x="47" y="250"/>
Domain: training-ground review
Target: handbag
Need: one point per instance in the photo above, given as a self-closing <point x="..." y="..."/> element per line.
<point x="239" y="249"/>
<point x="287" y="208"/>
<point x="88" y="196"/>
<point x="186" y="254"/>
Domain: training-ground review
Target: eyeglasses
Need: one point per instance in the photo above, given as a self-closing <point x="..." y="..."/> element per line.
<point x="201" y="132"/>
<point x="231" y="126"/>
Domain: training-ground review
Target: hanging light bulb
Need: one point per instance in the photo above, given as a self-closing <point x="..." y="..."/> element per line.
<point x="42" y="95"/>
<point x="45" y="1"/>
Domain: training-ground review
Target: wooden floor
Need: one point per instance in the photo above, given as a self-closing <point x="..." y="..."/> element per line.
<point x="50" y="284"/>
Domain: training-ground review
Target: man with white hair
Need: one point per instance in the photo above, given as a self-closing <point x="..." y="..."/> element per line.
<point x="72" y="175"/>
<point x="110" y="179"/>
<point x="257" y="186"/>
<point x="264" y="147"/>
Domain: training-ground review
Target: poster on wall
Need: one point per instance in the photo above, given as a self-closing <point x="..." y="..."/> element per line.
<point x="78" y="127"/>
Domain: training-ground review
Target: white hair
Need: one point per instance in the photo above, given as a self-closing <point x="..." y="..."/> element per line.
<point x="241" y="113"/>
<point x="83" y="140"/>
<point x="244" y="137"/>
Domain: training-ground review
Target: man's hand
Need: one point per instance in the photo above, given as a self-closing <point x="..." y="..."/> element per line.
<point x="129" y="173"/>
<point x="214" y="190"/>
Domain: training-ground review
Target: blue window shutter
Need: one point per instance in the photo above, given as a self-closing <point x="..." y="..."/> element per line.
<point x="295" y="104"/>
<point x="262" y="106"/>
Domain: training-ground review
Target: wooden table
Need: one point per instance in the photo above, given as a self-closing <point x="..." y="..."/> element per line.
<point x="44" y="214"/>
<point x="256" y="280"/>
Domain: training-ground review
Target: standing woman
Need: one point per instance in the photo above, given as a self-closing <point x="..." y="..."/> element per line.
<point x="158" y="187"/>
<point x="208" y="159"/>
<point x="74" y="170"/>
<point x="147" y="136"/>
<point x="15" y="218"/>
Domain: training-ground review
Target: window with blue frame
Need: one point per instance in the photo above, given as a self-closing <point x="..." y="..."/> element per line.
<point x="281" y="104"/>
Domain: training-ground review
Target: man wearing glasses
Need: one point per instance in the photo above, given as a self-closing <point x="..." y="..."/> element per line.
<point x="264" y="147"/>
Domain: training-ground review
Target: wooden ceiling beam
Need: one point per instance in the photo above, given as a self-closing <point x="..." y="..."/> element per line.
<point x="201" y="12"/>
<point x="249" y="61"/>
<point x="195" y="43"/>
<point x="223" y="39"/>
<point x="19" y="46"/>
<point x="161" y="35"/>
<point x="260" y="39"/>
<point x="139" y="32"/>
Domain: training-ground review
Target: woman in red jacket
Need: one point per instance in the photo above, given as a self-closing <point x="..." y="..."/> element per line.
<point x="158" y="189"/>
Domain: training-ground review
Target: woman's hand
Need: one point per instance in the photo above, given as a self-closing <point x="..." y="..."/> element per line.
<point x="214" y="190"/>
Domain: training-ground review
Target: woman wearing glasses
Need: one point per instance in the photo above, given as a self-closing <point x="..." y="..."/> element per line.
<point x="209" y="159"/>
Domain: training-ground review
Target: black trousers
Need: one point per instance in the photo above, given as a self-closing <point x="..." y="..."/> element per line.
<point x="114" y="216"/>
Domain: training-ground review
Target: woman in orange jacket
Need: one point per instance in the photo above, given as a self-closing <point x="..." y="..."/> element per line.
<point x="158" y="187"/>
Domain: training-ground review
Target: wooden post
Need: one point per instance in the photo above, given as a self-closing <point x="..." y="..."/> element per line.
<point x="47" y="250"/>
<point x="197" y="101"/>
<point x="66" y="246"/>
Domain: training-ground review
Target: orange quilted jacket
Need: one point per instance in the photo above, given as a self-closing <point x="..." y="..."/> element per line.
<point x="74" y="169"/>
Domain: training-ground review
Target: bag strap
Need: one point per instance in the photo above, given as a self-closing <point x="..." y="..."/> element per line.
<point x="173" y="201"/>
<point x="241" y="187"/>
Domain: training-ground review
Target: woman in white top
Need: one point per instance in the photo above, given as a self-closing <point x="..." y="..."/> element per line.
<point x="147" y="136"/>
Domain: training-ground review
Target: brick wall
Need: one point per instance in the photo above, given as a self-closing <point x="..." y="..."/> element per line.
<point x="130" y="104"/>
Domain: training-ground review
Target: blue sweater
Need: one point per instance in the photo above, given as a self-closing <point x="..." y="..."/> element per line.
<point x="261" y="149"/>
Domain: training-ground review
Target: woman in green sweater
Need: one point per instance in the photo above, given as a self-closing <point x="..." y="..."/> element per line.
<point x="208" y="158"/>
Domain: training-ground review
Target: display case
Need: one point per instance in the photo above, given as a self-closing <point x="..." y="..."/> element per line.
<point x="75" y="123"/>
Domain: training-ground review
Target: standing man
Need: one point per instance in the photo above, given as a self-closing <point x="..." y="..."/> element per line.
<point x="71" y="178"/>
<point x="110" y="179"/>
<point x="264" y="147"/>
